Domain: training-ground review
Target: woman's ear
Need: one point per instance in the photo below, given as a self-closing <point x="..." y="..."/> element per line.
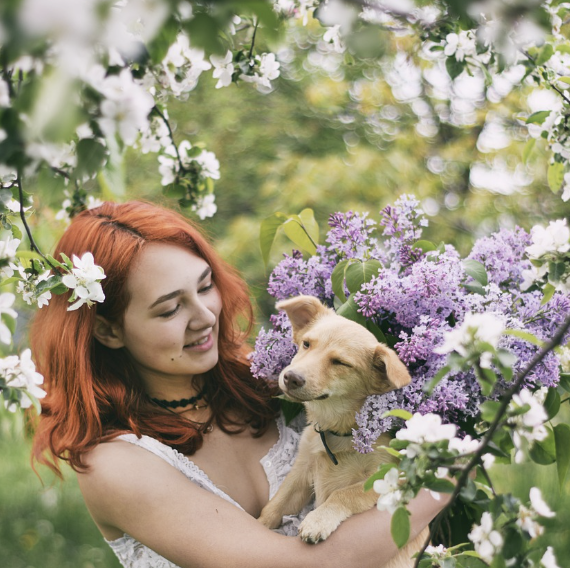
<point x="107" y="333"/>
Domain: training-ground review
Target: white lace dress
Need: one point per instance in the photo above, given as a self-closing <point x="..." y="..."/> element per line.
<point x="277" y="464"/>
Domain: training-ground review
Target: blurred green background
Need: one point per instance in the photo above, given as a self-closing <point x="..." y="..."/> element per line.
<point x="307" y="144"/>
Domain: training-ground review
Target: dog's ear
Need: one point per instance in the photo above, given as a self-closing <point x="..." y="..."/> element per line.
<point x="390" y="372"/>
<point x="302" y="311"/>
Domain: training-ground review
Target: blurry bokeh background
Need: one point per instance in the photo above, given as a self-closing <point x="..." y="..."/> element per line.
<point x="330" y="137"/>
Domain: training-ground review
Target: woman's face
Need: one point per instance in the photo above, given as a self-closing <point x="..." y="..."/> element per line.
<point x="171" y="325"/>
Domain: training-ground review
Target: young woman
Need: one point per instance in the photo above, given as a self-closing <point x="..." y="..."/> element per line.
<point x="158" y="373"/>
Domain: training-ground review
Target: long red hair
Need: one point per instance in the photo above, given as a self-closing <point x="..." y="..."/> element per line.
<point x="93" y="392"/>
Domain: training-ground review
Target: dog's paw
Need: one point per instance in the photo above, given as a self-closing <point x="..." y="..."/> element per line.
<point x="318" y="525"/>
<point x="270" y="519"/>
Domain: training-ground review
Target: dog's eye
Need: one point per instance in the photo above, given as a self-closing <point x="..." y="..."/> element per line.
<point x="339" y="362"/>
<point x="306" y="345"/>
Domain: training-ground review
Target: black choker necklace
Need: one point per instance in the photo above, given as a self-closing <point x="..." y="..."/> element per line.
<point x="180" y="403"/>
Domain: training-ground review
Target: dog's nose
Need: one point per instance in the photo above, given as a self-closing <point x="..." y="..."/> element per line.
<point x="292" y="380"/>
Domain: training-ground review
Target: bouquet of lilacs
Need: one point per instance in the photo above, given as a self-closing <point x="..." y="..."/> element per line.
<point x="411" y="295"/>
<point x="478" y="336"/>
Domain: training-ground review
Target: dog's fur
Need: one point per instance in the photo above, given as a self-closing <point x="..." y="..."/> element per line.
<point x="338" y="365"/>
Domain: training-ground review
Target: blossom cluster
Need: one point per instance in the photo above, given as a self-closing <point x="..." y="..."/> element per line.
<point x="427" y="305"/>
<point x="19" y="381"/>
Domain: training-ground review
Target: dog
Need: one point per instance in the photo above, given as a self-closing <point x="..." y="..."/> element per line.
<point x="339" y="364"/>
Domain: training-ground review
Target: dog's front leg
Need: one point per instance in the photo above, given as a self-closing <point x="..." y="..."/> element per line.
<point x="341" y="504"/>
<point x="294" y="493"/>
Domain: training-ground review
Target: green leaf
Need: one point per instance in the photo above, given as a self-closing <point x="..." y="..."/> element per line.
<point x="524" y="335"/>
<point x="548" y="292"/>
<point x="513" y="543"/>
<point x="564" y="80"/>
<point x="555" y="176"/>
<point x="10" y="280"/>
<point x="16" y="233"/>
<point x="358" y="273"/>
<point x="469" y="491"/>
<point x="552" y="403"/>
<point x="267" y="233"/>
<point x="90" y="157"/>
<point x="543" y="452"/>
<point x="376" y="331"/>
<point x="545" y="54"/>
<point x="538" y="117"/>
<point x="441" y="486"/>
<point x="297" y="232"/>
<point x="112" y="177"/>
<point x="337" y="279"/>
<point x="556" y="271"/>
<point x="562" y="444"/>
<point x="29" y="254"/>
<point x="382" y="471"/>
<point x="426" y="246"/>
<point x="476" y="270"/>
<point x="349" y="310"/>
<point x="10" y="322"/>
<point x="174" y="190"/>
<point x="398" y="413"/>
<point x="454" y="67"/>
<point x="400" y="526"/>
<point x="308" y="218"/>
<point x="564" y="377"/>
<point x="428" y="387"/>
<point x="528" y="148"/>
<point x="489" y="410"/>
<point x="290" y="409"/>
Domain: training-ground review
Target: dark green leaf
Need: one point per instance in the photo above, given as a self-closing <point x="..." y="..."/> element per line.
<point x="468" y="491"/>
<point x="543" y="452"/>
<point x="376" y="331"/>
<point x="441" y="486"/>
<point x="337" y="280"/>
<point x="349" y="310"/>
<point x="524" y="335"/>
<point x="358" y="273"/>
<point x="174" y="190"/>
<point x="400" y="526"/>
<point x="489" y="410"/>
<point x="556" y="271"/>
<point x="562" y="444"/>
<point x="513" y="543"/>
<point x="552" y="403"/>
<point x="290" y="409"/>
<point x="565" y="381"/>
<point x="90" y="157"/>
<point x="454" y="67"/>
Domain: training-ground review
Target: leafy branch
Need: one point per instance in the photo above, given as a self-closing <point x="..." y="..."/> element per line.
<point x="505" y="400"/>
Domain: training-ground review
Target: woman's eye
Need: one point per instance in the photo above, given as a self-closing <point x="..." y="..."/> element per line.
<point x="306" y="344"/>
<point x="171" y="312"/>
<point x="206" y="288"/>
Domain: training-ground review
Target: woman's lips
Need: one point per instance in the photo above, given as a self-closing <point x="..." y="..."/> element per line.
<point x="204" y="344"/>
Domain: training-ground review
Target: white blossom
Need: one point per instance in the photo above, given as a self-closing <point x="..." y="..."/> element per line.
<point x="475" y="327"/>
<point x="209" y="163"/>
<point x="422" y="428"/>
<point x="6" y="301"/>
<point x="8" y="248"/>
<point x="27" y="287"/>
<point x="549" y="560"/>
<point x="487" y="541"/>
<point x="332" y="35"/>
<point x="84" y="280"/>
<point x="538" y="503"/>
<point x="552" y="239"/>
<point x="20" y="373"/>
<point x="461" y="45"/>
<point x="155" y="137"/>
<point x="466" y="445"/>
<point x="388" y="489"/>
<point x="223" y="69"/>
<point x="438" y="552"/>
<point x="205" y="206"/>
<point x="528" y="426"/>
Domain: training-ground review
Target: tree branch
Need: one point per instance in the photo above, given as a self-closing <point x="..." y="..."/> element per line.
<point x="505" y="400"/>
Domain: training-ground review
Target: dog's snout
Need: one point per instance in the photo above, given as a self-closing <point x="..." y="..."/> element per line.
<point x="293" y="380"/>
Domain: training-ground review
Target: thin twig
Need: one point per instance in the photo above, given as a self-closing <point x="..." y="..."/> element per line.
<point x="505" y="400"/>
<point x="171" y="136"/>
<point x="33" y="244"/>
<point x="253" y="39"/>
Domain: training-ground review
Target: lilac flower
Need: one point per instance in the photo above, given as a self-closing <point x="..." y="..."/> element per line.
<point x="417" y="299"/>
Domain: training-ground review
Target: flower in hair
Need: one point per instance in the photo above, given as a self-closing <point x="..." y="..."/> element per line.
<point x="84" y="280"/>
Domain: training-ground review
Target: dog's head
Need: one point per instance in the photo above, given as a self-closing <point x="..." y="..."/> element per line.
<point x="337" y="357"/>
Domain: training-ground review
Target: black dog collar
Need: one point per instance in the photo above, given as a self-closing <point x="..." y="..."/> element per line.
<point x="322" y="434"/>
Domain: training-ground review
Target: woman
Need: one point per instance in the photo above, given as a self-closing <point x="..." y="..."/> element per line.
<point x="157" y="373"/>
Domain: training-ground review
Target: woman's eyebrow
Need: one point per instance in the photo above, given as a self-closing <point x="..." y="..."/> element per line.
<point x="176" y="293"/>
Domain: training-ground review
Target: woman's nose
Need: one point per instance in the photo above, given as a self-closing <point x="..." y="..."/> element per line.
<point x="201" y="318"/>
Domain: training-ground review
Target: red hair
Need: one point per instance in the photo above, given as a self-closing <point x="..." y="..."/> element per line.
<point x="93" y="392"/>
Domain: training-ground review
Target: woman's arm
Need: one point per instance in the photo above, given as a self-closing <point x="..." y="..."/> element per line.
<point x="130" y="489"/>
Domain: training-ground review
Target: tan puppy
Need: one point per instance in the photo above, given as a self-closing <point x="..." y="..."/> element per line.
<point x="338" y="365"/>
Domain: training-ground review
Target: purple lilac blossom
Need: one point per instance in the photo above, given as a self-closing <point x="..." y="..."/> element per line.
<point x="416" y="298"/>
<point x="503" y="255"/>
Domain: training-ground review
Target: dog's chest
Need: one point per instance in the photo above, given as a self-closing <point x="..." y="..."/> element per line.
<point x="352" y="466"/>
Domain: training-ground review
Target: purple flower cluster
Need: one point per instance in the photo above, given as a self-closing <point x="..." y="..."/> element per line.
<point x="415" y="299"/>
